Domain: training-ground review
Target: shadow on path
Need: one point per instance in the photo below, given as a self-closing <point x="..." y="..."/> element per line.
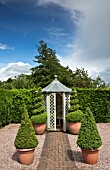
<point x="15" y="157"/>
<point x="75" y="156"/>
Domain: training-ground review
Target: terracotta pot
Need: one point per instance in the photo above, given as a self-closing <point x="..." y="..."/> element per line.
<point x="74" y="127"/>
<point x="26" y="156"/>
<point x="39" y="128"/>
<point x="90" y="156"/>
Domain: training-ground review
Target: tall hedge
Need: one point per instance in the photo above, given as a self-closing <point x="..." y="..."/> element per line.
<point x="12" y="103"/>
<point x="5" y="106"/>
<point x="98" y="100"/>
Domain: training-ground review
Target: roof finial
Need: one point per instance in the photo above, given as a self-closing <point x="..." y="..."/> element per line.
<point x="55" y="77"/>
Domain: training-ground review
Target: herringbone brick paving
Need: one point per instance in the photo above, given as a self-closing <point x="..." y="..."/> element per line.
<point x="56" y="153"/>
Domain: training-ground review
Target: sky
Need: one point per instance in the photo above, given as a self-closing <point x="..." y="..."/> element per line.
<point x="78" y="30"/>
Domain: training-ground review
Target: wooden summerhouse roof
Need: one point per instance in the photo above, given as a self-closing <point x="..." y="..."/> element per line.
<point x="56" y="86"/>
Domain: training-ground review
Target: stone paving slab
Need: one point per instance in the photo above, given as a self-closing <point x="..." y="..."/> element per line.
<point x="56" y="153"/>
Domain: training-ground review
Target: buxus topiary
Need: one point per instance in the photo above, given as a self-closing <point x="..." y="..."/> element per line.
<point x="74" y="114"/>
<point x="25" y="138"/>
<point x="88" y="137"/>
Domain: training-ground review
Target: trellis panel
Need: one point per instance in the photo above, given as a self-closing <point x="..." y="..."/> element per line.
<point x="52" y="111"/>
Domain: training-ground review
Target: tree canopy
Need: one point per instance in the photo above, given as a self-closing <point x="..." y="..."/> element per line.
<point x="47" y="66"/>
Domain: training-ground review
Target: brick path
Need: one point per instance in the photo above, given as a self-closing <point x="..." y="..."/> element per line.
<point x="56" y="153"/>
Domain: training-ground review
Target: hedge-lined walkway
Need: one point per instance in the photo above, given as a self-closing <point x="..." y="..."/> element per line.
<point x="56" y="153"/>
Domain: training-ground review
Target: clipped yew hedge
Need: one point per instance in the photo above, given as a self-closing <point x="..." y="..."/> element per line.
<point x="98" y="100"/>
<point x="12" y="104"/>
<point x="5" y="106"/>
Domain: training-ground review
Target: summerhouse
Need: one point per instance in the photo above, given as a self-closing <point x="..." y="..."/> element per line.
<point x="57" y="98"/>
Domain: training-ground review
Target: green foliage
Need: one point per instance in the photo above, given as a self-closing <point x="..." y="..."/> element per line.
<point x="98" y="101"/>
<point x="88" y="137"/>
<point x="74" y="102"/>
<point x="39" y="114"/>
<point x="74" y="114"/>
<point x="44" y="73"/>
<point x="5" y="107"/>
<point x="26" y="138"/>
<point x="19" y="98"/>
<point x="39" y="119"/>
<point x="48" y="66"/>
<point x="12" y="104"/>
<point x="38" y="102"/>
<point x="20" y="82"/>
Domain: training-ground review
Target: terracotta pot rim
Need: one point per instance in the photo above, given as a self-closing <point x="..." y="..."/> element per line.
<point x="90" y="149"/>
<point x="39" y="123"/>
<point x="74" y="122"/>
<point x="25" y="149"/>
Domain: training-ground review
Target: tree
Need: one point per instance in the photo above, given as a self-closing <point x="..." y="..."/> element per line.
<point x="19" y="82"/>
<point x="23" y="81"/>
<point x="98" y="82"/>
<point x="81" y="79"/>
<point x="48" y="67"/>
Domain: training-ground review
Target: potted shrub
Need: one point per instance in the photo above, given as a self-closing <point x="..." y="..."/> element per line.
<point x="25" y="141"/>
<point x="39" y="123"/>
<point x="74" y="115"/>
<point x="89" y="139"/>
<point x="39" y="117"/>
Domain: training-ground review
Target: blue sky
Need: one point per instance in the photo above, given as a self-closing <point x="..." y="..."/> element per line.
<point x="77" y="29"/>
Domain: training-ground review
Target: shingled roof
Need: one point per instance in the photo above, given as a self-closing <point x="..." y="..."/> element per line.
<point x="56" y="86"/>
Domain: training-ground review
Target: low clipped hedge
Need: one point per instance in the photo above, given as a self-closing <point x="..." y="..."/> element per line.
<point x="40" y="118"/>
<point x="75" y="116"/>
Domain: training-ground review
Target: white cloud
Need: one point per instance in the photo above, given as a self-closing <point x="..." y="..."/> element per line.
<point x="92" y="19"/>
<point x="13" y="69"/>
<point x="5" y="47"/>
<point x="56" y="33"/>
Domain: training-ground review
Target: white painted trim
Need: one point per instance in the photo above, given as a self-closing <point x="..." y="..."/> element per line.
<point x="48" y="110"/>
<point x="63" y="108"/>
<point x="64" y="120"/>
<point x="55" y="111"/>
